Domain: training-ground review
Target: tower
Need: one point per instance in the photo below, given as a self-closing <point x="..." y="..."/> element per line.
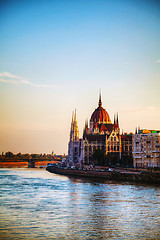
<point x="74" y="146"/>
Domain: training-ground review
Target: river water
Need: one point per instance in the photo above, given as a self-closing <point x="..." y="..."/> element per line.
<point x="36" y="204"/>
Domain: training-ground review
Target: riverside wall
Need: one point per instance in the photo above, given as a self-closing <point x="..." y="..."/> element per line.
<point x="145" y="177"/>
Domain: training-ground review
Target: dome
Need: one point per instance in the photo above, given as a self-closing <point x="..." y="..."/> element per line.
<point x="100" y="115"/>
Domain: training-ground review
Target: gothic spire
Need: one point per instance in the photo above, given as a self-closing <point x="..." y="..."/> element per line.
<point x="76" y="131"/>
<point x="136" y="131"/>
<point x="100" y="102"/>
<point x="75" y="116"/>
<point x="117" y="122"/>
<point x="114" y="120"/>
<point x="72" y="127"/>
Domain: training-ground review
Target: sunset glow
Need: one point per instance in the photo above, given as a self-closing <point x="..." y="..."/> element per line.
<point x="56" y="55"/>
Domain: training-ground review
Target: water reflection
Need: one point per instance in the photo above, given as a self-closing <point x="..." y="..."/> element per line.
<point x="38" y="204"/>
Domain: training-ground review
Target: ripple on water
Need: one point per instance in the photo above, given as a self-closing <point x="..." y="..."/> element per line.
<point x="38" y="205"/>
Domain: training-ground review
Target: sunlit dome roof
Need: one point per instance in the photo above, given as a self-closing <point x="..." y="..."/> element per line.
<point x="100" y="114"/>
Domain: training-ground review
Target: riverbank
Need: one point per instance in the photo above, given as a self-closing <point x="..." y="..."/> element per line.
<point x="24" y="164"/>
<point x="136" y="176"/>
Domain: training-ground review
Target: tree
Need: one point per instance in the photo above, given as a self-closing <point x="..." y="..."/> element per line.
<point x="9" y="154"/>
<point x="99" y="157"/>
<point x="112" y="160"/>
<point x="19" y="155"/>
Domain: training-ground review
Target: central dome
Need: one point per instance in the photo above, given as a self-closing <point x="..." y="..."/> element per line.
<point x="100" y="115"/>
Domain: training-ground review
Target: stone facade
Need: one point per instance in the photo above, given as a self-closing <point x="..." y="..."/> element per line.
<point x="100" y="134"/>
<point x="126" y="153"/>
<point x="146" y="149"/>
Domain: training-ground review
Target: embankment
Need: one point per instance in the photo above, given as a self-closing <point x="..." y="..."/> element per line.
<point x="153" y="177"/>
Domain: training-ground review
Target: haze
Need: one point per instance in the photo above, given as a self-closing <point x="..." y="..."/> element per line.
<point x="56" y="55"/>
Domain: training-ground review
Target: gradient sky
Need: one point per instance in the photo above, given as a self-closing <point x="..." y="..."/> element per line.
<point x="55" y="56"/>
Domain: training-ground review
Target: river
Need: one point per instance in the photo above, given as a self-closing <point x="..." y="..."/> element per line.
<point x="36" y="204"/>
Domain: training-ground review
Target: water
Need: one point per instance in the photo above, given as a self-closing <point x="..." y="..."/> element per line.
<point x="36" y="204"/>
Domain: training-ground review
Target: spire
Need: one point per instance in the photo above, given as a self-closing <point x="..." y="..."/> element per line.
<point x="76" y="131"/>
<point x="136" y="131"/>
<point x="72" y="117"/>
<point x="86" y="123"/>
<point x="72" y="127"/>
<point x="100" y="102"/>
<point x="75" y="116"/>
<point x="114" y="120"/>
<point x="117" y="122"/>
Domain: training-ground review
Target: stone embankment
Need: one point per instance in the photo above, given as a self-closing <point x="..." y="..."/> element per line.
<point x="144" y="177"/>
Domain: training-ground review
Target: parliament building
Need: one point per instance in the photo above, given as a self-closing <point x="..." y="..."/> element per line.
<point x="100" y="134"/>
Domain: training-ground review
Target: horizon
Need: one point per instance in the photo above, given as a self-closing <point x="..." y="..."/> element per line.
<point x="55" y="56"/>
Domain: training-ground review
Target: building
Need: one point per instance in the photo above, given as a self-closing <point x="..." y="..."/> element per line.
<point x="146" y="148"/>
<point x="101" y="134"/>
<point x="126" y="153"/>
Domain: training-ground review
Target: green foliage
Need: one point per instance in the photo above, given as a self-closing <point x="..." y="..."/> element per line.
<point x="99" y="157"/>
<point x="113" y="160"/>
<point x="9" y="154"/>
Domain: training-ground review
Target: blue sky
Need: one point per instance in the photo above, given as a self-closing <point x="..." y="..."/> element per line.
<point x="56" y="55"/>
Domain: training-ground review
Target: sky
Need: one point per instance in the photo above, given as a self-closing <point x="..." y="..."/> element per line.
<point x="55" y="56"/>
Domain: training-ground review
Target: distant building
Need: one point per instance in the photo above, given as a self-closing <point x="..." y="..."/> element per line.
<point x="146" y="148"/>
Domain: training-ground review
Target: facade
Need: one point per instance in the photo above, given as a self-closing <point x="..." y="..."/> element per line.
<point x="126" y="153"/>
<point x="140" y="150"/>
<point x="146" y="149"/>
<point x="100" y="134"/>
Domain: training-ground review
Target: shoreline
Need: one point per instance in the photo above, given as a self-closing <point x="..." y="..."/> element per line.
<point x="153" y="178"/>
<point x="25" y="164"/>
